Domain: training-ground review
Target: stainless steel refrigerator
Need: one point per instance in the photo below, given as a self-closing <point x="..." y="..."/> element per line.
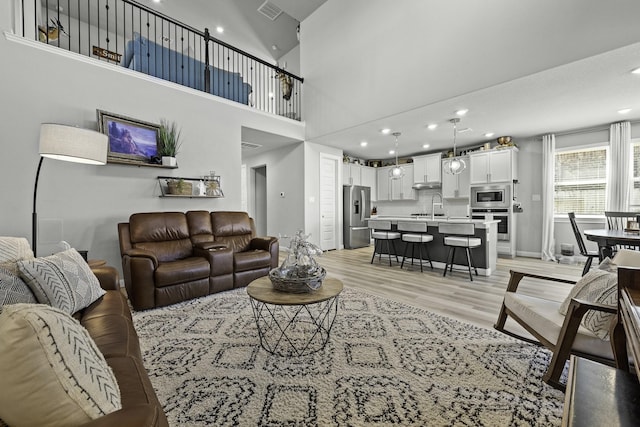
<point x="356" y="207"/>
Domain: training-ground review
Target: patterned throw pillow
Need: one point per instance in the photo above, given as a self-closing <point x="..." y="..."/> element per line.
<point x="61" y="378"/>
<point x="63" y="280"/>
<point x="13" y="290"/>
<point x="599" y="286"/>
<point x="13" y="249"/>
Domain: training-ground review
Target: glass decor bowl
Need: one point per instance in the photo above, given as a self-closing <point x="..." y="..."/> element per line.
<point x="297" y="285"/>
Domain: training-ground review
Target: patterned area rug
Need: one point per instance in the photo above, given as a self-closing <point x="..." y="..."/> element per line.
<point x="386" y="364"/>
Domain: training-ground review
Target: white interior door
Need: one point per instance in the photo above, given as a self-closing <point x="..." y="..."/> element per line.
<point x="328" y="202"/>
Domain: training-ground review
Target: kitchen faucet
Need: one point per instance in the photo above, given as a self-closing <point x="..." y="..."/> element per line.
<point x="434" y="204"/>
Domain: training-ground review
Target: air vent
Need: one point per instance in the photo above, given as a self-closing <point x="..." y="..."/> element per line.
<point x="465" y="130"/>
<point x="270" y="10"/>
<point x="249" y="146"/>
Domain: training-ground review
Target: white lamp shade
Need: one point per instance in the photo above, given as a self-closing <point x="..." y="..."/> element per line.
<point x="73" y="144"/>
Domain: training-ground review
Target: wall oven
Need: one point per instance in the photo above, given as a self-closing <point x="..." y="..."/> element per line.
<point x="504" y="226"/>
<point x="491" y="196"/>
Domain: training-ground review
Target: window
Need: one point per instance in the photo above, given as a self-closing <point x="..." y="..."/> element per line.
<point x="581" y="180"/>
<point x="634" y="197"/>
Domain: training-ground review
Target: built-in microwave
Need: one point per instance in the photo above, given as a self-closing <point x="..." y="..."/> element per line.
<point x="491" y="196"/>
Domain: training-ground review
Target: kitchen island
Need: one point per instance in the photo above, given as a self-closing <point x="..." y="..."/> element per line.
<point x="484" y="257"/>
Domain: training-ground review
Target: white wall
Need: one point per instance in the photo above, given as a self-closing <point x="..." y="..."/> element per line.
<point x="83" y="204"/>
<point x="285" y="174"/>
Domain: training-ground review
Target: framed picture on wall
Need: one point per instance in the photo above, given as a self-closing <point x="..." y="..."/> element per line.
<point x="130" y="140"/>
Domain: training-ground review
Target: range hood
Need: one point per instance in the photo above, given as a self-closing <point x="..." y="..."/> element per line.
<point x="426" y="185"/>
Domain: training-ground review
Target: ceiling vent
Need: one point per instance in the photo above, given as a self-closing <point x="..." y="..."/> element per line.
<point x="270" y="10"/>
<point x="249" y="146"/>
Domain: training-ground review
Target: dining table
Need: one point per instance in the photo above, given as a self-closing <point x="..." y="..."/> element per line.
<point x="608" y="239"/>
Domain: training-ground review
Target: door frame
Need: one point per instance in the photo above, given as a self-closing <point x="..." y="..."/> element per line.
<point x="337" y="234"/>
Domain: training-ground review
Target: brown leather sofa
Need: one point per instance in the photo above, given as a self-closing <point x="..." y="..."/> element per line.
<point x="168" y="257"/>
<point x="108" y="321"/>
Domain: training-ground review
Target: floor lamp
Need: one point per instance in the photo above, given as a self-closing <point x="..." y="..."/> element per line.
<point x="70" y="144"/>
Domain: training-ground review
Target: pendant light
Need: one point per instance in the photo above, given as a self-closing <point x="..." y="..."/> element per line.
<point x="396" y="172"/>
<point x="454" y="165"/>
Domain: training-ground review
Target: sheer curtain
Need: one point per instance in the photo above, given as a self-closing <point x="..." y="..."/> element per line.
<point x="548" y="178"/>
<point x="619" y="166"/>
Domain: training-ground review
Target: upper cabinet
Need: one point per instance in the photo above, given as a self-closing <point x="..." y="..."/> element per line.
<point x="493" y="166"/>
<point x="427" y="169"/>
<point x="395" y="189"/>
<point x="369" y="179"/>
<point x="351" y="174"/>
<point x="456" y="186"/>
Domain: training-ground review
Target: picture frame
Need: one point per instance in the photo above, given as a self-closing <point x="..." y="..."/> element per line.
<point x="131" y="141"/>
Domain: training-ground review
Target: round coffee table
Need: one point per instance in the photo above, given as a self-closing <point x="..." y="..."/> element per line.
<point x="294" y="324"/>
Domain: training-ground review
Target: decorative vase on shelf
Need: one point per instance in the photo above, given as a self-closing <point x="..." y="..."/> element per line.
<point x="169" y="161"/>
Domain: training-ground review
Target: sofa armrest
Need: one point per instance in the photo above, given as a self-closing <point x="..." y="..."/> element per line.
<point x="108" y="277"/>
<point x="209" y="245"/>
<point x="269" y="244"/>
<point x="220" y="259"/>
<point x="142" y="253"/>
<point x="134" y="416"/>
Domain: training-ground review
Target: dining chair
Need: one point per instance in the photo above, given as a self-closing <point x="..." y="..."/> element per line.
<point x="382" y="232"/>
<point x="459" y="235"/>
<point x="415" y="233"/>
<point x="581" y="246"/>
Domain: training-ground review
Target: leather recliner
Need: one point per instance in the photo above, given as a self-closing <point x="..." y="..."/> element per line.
<point x="168" y="257"/>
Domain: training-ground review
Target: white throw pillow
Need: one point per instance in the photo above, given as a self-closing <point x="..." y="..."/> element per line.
<point x="51" y="371"/>
<point x="13" y="249"/>
<point x="63" y="280"/>
<point x="598" y="286"/>
<point x="13" y="290"/>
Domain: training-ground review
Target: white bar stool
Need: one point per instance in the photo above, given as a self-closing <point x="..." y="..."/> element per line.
<point x="382" y="233"/>
<point x="459" y="235"/>
<point x="415" y="233"/>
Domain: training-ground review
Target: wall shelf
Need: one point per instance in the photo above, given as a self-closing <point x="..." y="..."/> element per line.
<point x="189" y="188"/>
<point x="139" y="163"/>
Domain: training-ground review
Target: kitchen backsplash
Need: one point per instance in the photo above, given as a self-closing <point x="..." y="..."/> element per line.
<point x="452" y="207"/>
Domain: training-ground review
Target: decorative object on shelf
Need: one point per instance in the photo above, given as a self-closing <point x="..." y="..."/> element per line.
<point x="168" y="142"/>
<point x="396" y="172"/>
<point x="286" y="84"/>
<point x="180" y="187"/>
<point x="71" y="144"/>
<point x="131" y="141"/>
<point x="299" y="272"/>
<point x="207" y="186"/>
<point x="454" y="165"/>
<point x="52" y="32"/>
<point x="505" y="141"/>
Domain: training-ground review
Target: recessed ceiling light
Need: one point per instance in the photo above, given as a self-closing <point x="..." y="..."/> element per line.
<point x="432" y="126"/>
<point x="274" y="47"/>
<point x="462" y="111"/>
<point x="156" y="1"/>
<point x="363" y="144"/>
<point x="392" y="152"/>
<point x="489" y="134"/>
<point x="219" y="29"/>
<point x="624" y="111"/>
<point x="636" y="70"/>
<point x="385" y="131"/>
<point x="425" y="146"/>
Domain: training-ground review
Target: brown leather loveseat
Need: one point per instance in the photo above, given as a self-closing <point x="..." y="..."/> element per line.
<point x="168" y="257"/>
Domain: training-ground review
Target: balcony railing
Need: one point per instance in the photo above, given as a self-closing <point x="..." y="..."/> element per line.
<point x="131" y="35"/>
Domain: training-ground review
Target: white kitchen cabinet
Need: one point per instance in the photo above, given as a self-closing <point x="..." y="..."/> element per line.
<point x="351" y="174"/>
<point x="395" y="189"/>
<point x="456" y="186"/>
<point x="369" y="179"/>
<point x="427" y="168"/>
<point x="493" y="166"/>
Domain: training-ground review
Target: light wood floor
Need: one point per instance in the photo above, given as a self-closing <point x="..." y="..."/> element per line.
<point x="476" y="302"/>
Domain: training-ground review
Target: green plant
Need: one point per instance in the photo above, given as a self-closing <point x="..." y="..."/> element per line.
<point x="169" y="139"/>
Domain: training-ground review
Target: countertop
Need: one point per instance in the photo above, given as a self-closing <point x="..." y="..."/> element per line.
<point x="481" y="223"/>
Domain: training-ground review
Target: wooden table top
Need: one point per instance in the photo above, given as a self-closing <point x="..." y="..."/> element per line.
<point x="262" y="290"/>
<point x="612" y="237"/>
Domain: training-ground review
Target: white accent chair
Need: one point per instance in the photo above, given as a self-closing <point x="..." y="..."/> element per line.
<point x="415" y="233"/>
<point x="562" y="334"/>
<point x="382" y="232"/>
<point x="459" y="235"/>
